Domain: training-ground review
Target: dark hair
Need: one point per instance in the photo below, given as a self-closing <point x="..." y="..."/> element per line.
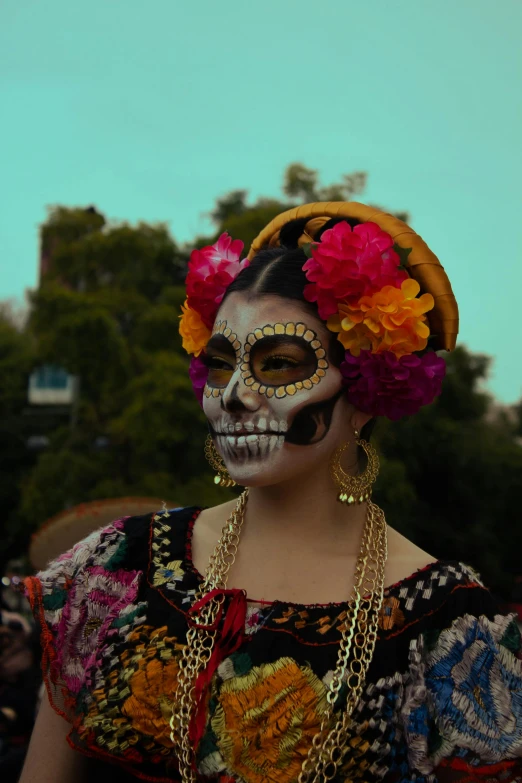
<point x="279" y="271"/>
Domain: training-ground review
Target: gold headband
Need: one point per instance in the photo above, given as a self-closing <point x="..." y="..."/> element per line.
<point x="423" y="265"/>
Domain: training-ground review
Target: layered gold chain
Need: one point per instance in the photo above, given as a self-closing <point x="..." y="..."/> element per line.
<point x="358" y="639"/>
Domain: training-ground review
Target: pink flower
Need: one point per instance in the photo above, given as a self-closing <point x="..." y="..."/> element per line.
<point x="347" y="264"/>
<point x="383" y="385"/>
<point x="198" y="372"/>
<point x="210" y="272"/>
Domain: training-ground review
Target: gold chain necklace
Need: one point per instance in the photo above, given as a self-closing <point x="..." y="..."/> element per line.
<point x="358" y="639"/>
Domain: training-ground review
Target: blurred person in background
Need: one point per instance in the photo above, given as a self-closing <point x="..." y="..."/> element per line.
<point x="20" y="680"/>
<point x="288" y="635"/>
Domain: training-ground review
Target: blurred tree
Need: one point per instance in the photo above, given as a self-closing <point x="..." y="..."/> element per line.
<point x="249" y="223"/>
<point x="16" y="460"/>
<point x="90" y="255"/>
<point x="231" y="204"/>
<point x="300" y="185"/>
<point x="459" y="477"/>
<point x="64" y="226"/>
<point x="107" y="311"/>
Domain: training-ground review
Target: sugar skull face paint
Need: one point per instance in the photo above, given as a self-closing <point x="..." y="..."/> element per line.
<point x="274" y="360"/>
<point x="271" y="392"/>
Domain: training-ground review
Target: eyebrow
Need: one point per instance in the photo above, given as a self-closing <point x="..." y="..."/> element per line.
<point x="278" y="340"/>
<point x="220" y="343"/>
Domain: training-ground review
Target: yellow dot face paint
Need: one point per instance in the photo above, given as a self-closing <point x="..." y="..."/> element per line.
<point x="277" y="359"/>
<point x="222" y="355"/>
<point x="281" y="357"/>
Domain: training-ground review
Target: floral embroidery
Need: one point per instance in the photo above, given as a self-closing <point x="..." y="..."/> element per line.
<point x="299" y="618"/>
<point x="152" y="685"/>
<point x="475" y="687"/>
<point x="391" y="615"/>
<point x="113" y="617"/>
<point x="79" y="611"/>
<point x="254" y="619"/>
<point x="165" y="570"/>
<point x="172" y="571"/>
<point x="133" y="705"/>
<point x="478" y="683"/>
<point x="266" y="719"/>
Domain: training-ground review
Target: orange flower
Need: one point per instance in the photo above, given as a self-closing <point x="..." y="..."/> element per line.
<point x="266" y="720"/>
<point x="152" y="686"/>
<point x="390" y="614"/>
<point x="392" y="319"/>
<point x="133" y="706"/>
<point x="354" y="337"/>
<point x="193" y="331"/>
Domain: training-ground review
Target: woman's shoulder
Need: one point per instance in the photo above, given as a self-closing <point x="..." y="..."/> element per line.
<point x="101" y="585"/>
<point x="440" y="591"/>
<point x="123" y="544"/>
<point x="426" y="584"/>
<point x="464" y="677"/>
<point x="106" y="567"/>
<point x="443" y="594"/>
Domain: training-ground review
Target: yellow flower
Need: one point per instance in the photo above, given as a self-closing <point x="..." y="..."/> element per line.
<point x="195" y="335"/>
<point x="152" y="688"/>
<point x="354" y="336"/>
<point x="392" y="319"/>
<point x="134" y="703"/>
<point x="266" y="719"/>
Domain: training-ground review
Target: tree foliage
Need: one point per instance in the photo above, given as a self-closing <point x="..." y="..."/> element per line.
<point x="457" y="469"/>
<point x="107" y="311"/>
<point x="301" y="185"/>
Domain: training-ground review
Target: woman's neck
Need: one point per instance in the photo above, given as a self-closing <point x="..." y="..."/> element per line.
<point x="307" y="509"/>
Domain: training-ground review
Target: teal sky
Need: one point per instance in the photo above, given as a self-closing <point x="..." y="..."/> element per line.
<point x="151" y="109"/>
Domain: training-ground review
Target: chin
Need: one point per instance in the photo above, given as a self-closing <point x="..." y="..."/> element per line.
<point x="256" y="463"/>
<point x="249" y="451"/>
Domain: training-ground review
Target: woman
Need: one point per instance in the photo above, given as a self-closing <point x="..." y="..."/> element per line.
<point x="287" y="636"/>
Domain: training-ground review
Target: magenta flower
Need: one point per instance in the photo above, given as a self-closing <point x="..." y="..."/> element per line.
<point x="210" y="272"/>
<point x="381" y="384"/>
<point x="198" y="372"/>
<point x="349" y="263"/>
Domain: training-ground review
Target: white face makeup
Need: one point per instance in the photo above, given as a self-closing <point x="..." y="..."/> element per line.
<point x="271" y="390"/>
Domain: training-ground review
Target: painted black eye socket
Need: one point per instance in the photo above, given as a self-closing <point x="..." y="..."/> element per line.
<point x="277" y="363"/>
<point x="281" y="359"/>
<point x="217" y="363"/>
<point x="221" y="360"/>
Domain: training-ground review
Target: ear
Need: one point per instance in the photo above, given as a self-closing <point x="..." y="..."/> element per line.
<point x="359" y="419"/>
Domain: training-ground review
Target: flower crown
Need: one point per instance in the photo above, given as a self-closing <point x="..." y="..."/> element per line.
<point x="358" y="279"/>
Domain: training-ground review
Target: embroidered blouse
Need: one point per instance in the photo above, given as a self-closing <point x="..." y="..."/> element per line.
<point x="442" y="699"/>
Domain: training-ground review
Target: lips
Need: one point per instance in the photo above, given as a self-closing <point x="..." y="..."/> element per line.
<point x="250" y="439"/>
<point x="256" y="445"/>
<point x="248" y="427"/>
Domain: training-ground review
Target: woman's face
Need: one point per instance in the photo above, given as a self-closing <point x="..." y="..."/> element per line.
<point x="273" y="399"/>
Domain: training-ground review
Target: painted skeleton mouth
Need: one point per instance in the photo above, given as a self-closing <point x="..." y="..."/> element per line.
<point x="260" y="427"/>
<point x="245" y="440"/>
<point x="254" y="445"/>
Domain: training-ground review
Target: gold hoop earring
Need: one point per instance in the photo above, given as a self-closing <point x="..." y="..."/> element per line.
<point x="354" y="489"/>
<point x="216" y="460"/>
